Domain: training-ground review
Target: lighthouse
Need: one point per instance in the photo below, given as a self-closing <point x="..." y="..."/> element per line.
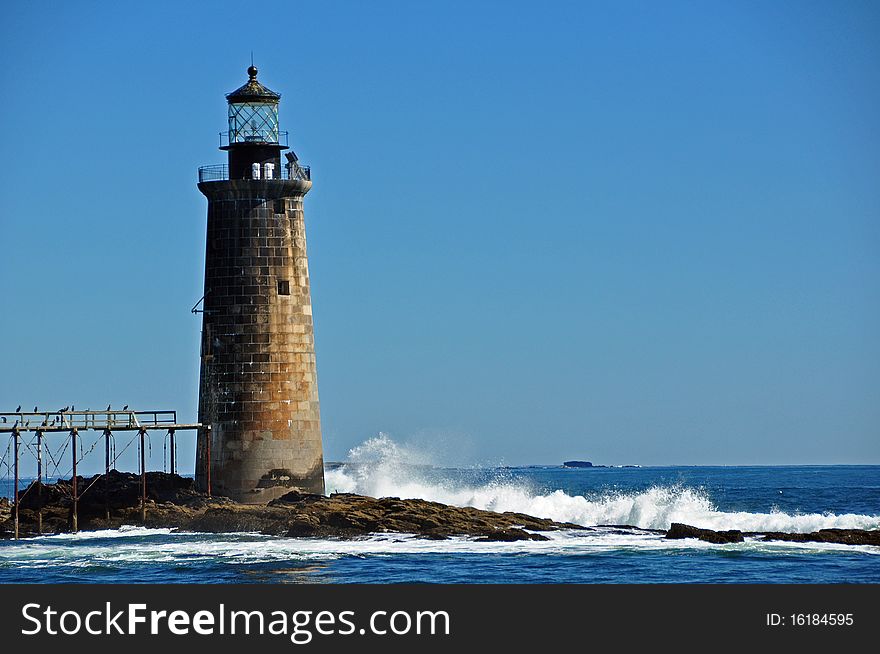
<point x="258" y="387"/>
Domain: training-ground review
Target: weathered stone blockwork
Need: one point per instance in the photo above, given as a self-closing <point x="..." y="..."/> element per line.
<point x="258" y="387"/>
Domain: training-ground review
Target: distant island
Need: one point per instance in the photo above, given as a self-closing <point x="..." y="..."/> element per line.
<point x="589" y="464"/>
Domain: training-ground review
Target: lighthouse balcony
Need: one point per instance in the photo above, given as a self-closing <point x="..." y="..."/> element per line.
<point x="290" y="171"/>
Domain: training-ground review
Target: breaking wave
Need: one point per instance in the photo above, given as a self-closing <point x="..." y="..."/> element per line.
<point x="382" y="468"/>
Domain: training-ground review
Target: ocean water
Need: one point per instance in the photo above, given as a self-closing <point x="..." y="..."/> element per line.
<point x="791" y="498"/>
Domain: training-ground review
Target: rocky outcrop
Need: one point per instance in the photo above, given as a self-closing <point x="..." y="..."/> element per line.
<point x="356" y="515"/>
<point x="840" y="536"/>
<point x="123" y="489"/>
<point x="173" y="502"/>
<point x="679" y="530"/>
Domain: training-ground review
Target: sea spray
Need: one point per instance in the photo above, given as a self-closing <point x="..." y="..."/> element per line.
<point x="381" y="467"/>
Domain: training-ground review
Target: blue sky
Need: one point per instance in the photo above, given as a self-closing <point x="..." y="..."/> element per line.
<point x="628" y="232"/>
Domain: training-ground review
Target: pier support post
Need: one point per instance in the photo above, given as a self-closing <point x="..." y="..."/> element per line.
<point x="39" y="482"/>
<point x="107" y="474"/>
<point x="173" y="458"/>
<point x="74" y="518"/>
<point x="16" y="438"/>
<point x="143" y="433"/>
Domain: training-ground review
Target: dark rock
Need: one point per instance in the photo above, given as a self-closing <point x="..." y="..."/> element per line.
<point x="629" y="529"/>
<point x="509" y="536"/>
<point x="577" y="464"/>
<point x="679" y="530"/>
<point x="123" y="490"/>
<point x="295" y="497"/>
<point x="840" y="536"/>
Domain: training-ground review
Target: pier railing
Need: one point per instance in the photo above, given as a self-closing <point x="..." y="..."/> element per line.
<point x="60" y="420"/>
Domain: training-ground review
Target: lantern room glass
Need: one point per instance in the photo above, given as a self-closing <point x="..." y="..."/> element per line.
<point x="253" y="122"/>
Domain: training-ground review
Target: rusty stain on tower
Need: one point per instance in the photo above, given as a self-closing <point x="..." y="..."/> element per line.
<point x="258" y="387"/>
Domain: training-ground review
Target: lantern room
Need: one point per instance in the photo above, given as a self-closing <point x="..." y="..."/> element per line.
<point x="253" y="141"/>
<point x="253" y="112"/>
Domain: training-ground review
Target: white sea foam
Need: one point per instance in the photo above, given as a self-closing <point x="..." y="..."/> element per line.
<point x="248" y="549"/>
<point x="122" y="532"/>
<point x="382" y="468"/>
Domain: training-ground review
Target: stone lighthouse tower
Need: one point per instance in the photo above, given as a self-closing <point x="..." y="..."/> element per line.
<point x="258" y="388"/>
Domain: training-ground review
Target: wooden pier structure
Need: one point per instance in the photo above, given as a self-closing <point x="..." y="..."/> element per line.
<point x="71" y="423"/>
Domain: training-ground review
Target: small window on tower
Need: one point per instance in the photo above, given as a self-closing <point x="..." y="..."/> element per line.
<point x="283" y="287"/>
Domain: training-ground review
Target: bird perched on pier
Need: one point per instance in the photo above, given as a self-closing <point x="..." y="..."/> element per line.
<point x="36" y="409"/>
<point x="27" y="424"/>
<point x="72" y="407"/>
<point x="4" y="420"/>
<point x="18" y="409"/>
<point x="108" y="407"/>
<point x="125" y="408"/>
